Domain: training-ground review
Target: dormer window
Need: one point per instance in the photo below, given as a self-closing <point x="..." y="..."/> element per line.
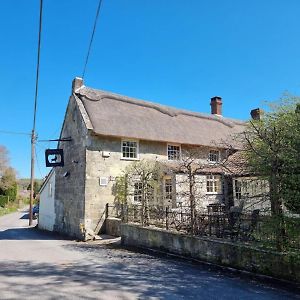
<point x="174" y="152"/>
<point x="214" y="156"/>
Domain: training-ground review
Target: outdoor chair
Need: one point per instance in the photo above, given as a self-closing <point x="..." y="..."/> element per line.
<point x="247" y="228"/>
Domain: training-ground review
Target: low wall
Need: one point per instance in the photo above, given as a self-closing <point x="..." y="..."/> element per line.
<point x="219" y="252"/>
<point x="112" y="226"/>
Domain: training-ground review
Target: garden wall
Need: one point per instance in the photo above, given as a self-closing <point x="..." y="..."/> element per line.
<point x="220" y="252"/>
<point x="112" y="226"/>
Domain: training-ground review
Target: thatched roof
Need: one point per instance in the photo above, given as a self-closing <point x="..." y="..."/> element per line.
<point x="115" y="115"/>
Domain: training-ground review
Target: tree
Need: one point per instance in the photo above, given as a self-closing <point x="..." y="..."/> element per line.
<point x="272" y="151"/>
<point x="190" y="170"/>
<point x="36" y="187"/>
<point x="3" y="159"/>
<point x="8" y="184"/>
<point x="141" y="180"/>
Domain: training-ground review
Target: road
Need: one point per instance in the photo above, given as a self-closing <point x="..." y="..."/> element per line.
<point x="37" y="265"/>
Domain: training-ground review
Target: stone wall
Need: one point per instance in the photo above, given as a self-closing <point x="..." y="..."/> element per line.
<point x="113" y="226"/>
<point x="110" y="167"/>
<point x="70" y="179"/>
<point x="225" y="253"/>
<point x="202" y="198"/>
<point x="103" y="159"/>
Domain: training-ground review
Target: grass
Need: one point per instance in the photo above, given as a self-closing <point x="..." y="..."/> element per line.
<point x="7" y="210"/>
<point x="11" y="207"/>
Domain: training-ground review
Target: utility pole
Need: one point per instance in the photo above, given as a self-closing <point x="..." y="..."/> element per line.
<point x="32" y="176"/>
<point x="33" y="134"/>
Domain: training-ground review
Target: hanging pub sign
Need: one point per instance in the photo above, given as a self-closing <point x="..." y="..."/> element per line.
<point x="54" y="157"/>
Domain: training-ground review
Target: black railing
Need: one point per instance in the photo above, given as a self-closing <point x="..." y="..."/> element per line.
<point x="216" y="222"/>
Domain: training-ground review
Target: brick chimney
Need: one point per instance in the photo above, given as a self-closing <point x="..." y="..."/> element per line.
<point x="76" y="84"/>
<point x="216" y="105"/>
<point x="256" y="114"/>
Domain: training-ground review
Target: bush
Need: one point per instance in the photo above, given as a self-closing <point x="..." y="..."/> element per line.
<point x="11" y="192"/>
<point x="3" y="200"/>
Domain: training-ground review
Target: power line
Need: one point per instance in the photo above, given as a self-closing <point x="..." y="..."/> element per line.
<point x="37" y="161"/>
<point x="92" y="37"/>
<point x="15" y="132"/>
<point x="38" y="65"/>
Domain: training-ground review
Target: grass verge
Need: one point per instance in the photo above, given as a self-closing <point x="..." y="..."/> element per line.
<point x="9" y="208"/>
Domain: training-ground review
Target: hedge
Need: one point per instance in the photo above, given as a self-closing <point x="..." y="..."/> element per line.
<point x="3" y="200"/>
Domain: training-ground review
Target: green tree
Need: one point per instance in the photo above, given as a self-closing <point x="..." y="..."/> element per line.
<point x="8" y="184"/>
<point x="36" y="187"/>
<point x="272" y="151"/>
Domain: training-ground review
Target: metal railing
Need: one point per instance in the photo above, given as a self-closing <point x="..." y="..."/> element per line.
<point x="215" y="222"/>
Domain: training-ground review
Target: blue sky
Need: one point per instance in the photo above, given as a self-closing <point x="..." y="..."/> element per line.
<point x="174" y="52"/>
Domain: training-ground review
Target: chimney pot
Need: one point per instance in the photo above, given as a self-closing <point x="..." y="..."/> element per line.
<point x="256" y="114"/>
<point x="76" y="84"/>
<point x="216" y="105"/>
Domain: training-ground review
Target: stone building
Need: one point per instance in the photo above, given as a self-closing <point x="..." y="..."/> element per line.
<point x="109" y="131"/>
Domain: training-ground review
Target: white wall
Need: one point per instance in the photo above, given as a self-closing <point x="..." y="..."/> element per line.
<point x="46" y="212"/>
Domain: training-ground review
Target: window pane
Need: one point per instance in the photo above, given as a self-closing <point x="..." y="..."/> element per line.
<point x="213" y="156"/>
<point x="129" y="149"/>
<point x="173" y="152"/>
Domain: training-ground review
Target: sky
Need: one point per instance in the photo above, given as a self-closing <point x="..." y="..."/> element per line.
<point x="174" y="52"/>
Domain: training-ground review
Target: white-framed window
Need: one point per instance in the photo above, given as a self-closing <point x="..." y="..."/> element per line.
<point x="174" y="152"/>
<point x="214" y="184"/>
<point x="168" y="189"/>
<point x="130" y="149"/>
<point x="137" y="192"/>
<point x="238" y="189"/>
<point x="214" y="156"/>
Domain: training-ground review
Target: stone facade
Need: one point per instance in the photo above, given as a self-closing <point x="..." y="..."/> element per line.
<point x="251" y="193"/>
<point x="93" y="161"/>
<point x="79" y="197"/>
<point x="98" y="165"/>
<point x="70" y="179"/>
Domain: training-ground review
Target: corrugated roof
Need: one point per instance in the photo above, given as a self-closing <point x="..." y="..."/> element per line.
<point x="116" y="115"/>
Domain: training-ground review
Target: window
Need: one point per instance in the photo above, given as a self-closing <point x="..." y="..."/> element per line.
<point x="238" y="189"/>
<point x="137" y="193"/>
<point x="168" y="189"/>
<point x="214" y="156"/>
<point x="50" y="190"/>
<point x="213" y="184"/>
<point x="173" y="152"/>
<point x="130" y="149"/>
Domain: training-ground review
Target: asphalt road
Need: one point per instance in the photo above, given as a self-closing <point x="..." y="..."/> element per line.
<point x="37" y="265"/>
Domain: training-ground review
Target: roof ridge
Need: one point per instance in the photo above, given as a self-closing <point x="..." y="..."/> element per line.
<point x="97" y="95"/>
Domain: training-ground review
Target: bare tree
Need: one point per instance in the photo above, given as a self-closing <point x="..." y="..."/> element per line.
<point x="190" y="166"/>
<point x="3" y="159"/>
<point x="141" y="181"/>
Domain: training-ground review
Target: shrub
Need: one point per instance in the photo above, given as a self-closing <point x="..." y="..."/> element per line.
<point x="3" y="200"/>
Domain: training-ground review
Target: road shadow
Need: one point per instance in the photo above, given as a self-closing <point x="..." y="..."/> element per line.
<point x="25" y="216"/>
<point x="29" y="233"/>
<point x="122" y="273"/>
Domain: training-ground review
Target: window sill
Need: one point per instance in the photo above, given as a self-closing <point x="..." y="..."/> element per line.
<point x="129" y="158"/>
<point x="213" y="193"/>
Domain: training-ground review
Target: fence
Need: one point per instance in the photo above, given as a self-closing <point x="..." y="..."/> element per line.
<point x="216" y="222"/>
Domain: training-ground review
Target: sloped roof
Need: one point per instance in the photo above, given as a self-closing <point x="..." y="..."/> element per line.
<point x="116" y="115"/>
